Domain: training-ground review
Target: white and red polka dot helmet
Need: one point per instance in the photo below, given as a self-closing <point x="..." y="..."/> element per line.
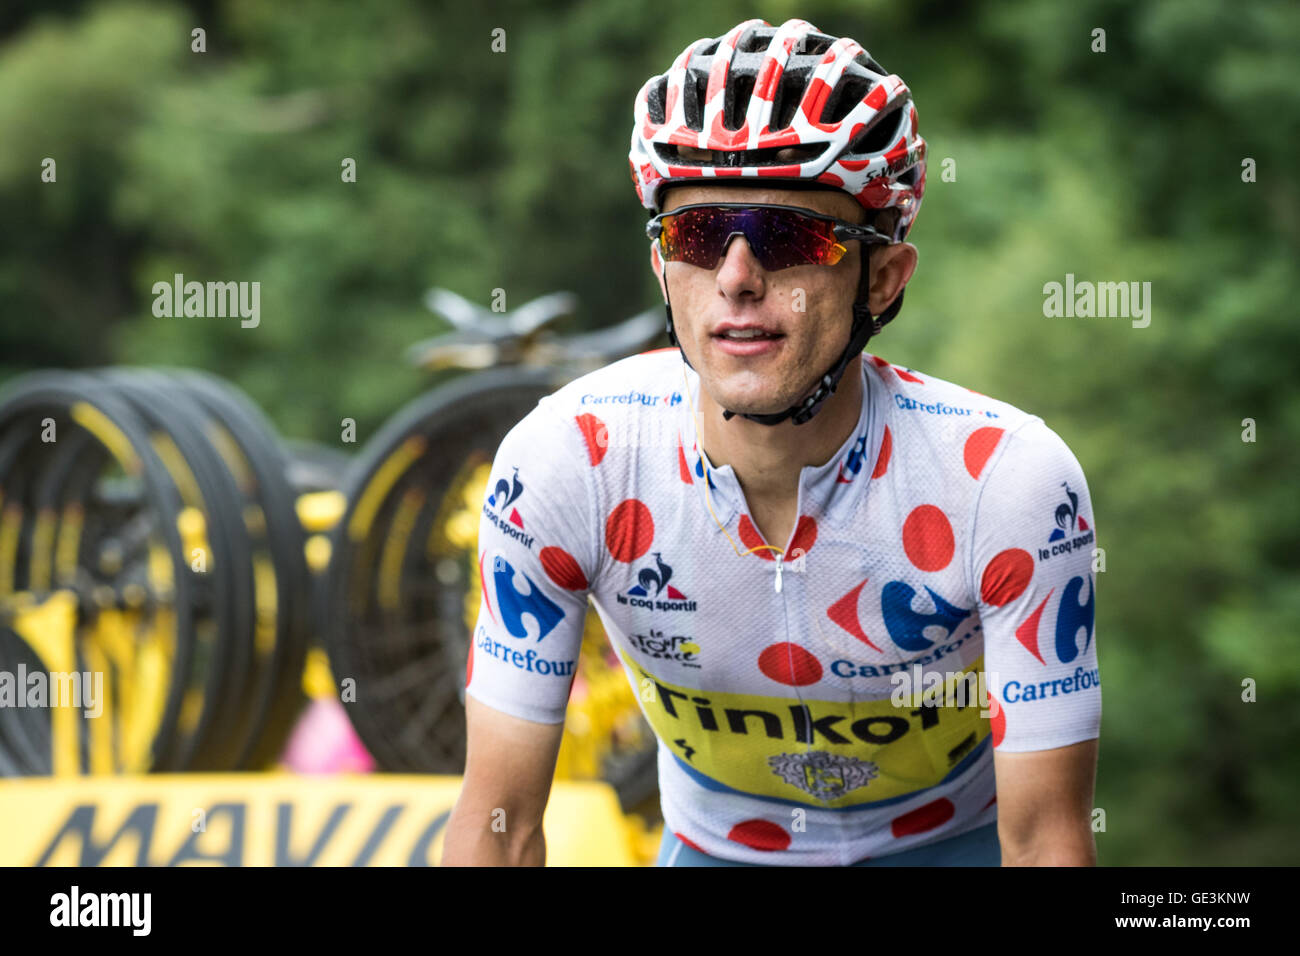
<point x="776" y="104"/>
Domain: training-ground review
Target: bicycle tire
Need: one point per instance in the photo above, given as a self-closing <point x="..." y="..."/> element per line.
<point x="76" y="402"/>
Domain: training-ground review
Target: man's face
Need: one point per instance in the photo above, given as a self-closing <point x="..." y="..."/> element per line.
<point x="772" y="373"/>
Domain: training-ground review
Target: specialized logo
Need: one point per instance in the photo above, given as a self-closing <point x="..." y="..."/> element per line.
<point x="852" y="464"/>
<point x="825" y="776"/>
<point x="653" y="591"/>
<point x="504" y="496"/>
<point x="634" y="398"/>
<point x="513" y="604"/>
<point x="1071" y="531"/>
<point x="677" y="647"/>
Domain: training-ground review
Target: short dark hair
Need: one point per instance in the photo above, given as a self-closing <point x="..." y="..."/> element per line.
<point x="884" y="220"/>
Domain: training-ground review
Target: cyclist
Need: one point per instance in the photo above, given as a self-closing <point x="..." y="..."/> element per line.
<point x="804" y="554"/>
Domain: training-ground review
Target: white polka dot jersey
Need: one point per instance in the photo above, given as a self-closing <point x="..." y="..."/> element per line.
<point x="821" y="706"/>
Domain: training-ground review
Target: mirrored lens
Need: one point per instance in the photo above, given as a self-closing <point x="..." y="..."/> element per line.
<point x="779" y="238"/>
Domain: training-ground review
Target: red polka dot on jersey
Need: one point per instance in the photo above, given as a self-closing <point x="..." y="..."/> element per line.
<point x="934" y="814"/>
<point x="804" y="537"/>
<point x="596" y="436"/>
<point x="469" y="665"/>
<point x="683" y="469"/>
<point x="790" y="664"/>
<point x="1006" y="576"/>
<point x="629" y="530"/>
<point x="907" y="376"/>
<point x="801" y="542"/>
<point x="690" y="843"/>
<point x="482" y="585"/>
<point x="927" y="538"/>
<point x="760" y="835"/>
<point x="750" y="538"/>
<point x="979" y="446"/>
<point x="562" y="568"/>
<point x="997" y="720"/>
<point x="882" y="460"/>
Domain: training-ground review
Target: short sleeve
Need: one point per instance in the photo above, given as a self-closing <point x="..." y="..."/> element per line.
<point x="1032" y="567"/>
<point x="534" y="567"/>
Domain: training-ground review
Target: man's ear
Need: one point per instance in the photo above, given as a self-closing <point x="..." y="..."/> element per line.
<point x="891" y="268"/>
<point x="657" y="265"/>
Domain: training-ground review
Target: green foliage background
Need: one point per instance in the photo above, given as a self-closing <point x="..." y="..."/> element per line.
<point x="479" y="170"/>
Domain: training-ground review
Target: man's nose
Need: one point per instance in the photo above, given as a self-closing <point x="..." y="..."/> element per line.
<point x="738" y="256"/>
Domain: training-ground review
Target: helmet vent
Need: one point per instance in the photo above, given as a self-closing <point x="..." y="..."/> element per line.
<point x="655" y="101"/>
<point x="865" y="60"/>
<point x="737" y="96"/>
<point x="813" y="44"/>
<point x="788" y="94"/>
<point x="881" y="134"/>
<point x="757" y="41"/>
<point x="696" y="86"/>
<point x="848" y="93"/>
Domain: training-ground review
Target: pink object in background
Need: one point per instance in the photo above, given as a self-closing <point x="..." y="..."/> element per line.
<point x="323" y="741"/>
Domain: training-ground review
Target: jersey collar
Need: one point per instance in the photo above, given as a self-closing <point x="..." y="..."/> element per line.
<point x="828" y="492"/>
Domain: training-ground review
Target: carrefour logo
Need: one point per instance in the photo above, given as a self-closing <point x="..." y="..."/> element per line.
<point x="1072" y="617"/>
<point x="634" y="398"/>
<point x="907" y="626"/>
<point x="513" y="604"/>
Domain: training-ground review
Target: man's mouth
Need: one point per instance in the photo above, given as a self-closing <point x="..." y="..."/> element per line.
<point x="745" y="333"/>
<point x="746" y="341"/>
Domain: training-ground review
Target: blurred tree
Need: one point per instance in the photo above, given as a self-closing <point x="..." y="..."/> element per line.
<point x="479" y="170"/>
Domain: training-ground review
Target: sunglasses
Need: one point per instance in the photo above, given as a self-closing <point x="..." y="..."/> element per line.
<point x="781" y="236"/>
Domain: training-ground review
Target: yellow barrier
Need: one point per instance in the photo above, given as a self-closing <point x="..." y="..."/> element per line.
<point x="271" y="819"/>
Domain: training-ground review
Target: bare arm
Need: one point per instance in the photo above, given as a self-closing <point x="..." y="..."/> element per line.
<point x="1045" y="805"/>
<point x="510" y="762"/>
